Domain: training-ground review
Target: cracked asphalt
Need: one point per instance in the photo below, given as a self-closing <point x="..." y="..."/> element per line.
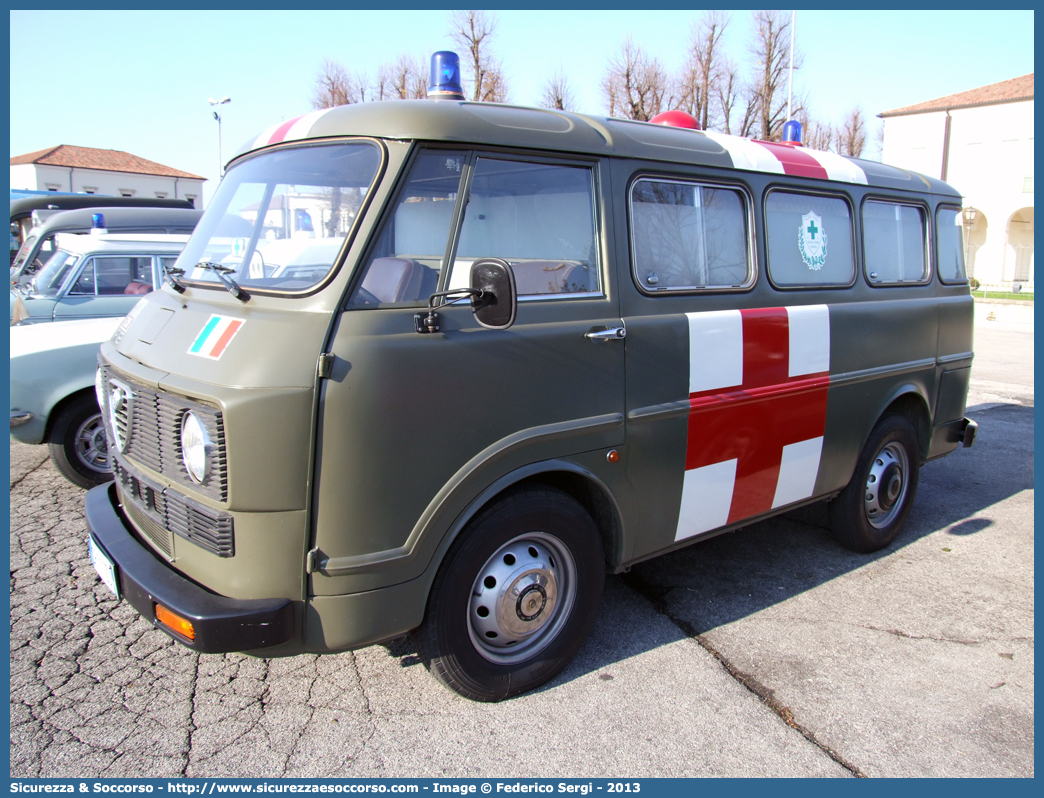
<point x="768" y="652"/>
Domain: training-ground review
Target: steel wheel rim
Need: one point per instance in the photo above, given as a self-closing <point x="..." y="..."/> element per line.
<point x="521" y="598"/>
<point x="886" y="485"/>
<point x="92" y="449"/>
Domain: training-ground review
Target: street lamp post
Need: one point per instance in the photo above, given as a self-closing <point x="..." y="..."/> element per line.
<point x="217" y="116"/>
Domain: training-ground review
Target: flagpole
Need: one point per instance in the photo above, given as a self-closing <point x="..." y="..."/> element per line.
<point x="790" y="81"/>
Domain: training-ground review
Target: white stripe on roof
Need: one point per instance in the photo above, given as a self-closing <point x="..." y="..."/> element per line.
<point x="746" y="154"/>
<point x="301" y="128"/>
<point x="838" y="167"/>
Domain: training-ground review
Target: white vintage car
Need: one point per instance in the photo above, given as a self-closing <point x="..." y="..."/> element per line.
<point x="53" y="397"/>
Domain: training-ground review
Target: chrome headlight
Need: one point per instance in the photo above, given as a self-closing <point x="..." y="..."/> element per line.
<point x="196" y="447"/>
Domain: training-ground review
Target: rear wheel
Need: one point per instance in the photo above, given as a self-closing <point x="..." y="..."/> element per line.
<point x="515" y="597"/>
<point x="78" y="445"/>
<point x="870" y="512"/>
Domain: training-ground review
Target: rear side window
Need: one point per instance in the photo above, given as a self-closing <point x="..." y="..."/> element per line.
<point x="809" y="240"/>
<point x="894" y="243"/>
<point x="686" y="236"/>
<point x="951" y="246"/>
<point x="538" y="217"/>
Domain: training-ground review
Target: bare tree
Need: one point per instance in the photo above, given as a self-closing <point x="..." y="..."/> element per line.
<point x="635" y="85"/>
<point x="558" y="94"/>
<point x="494" y="85"/>
<point x="816" y="135"/>
<point x="702" y="73"/>
<point x="403" y="80"/>
<point x="472" y="30"/>
<point x="728" y="91"/>
<point x="770" y="50"/>
<point x="335" y="86"/>
<point x="851" y="138"/>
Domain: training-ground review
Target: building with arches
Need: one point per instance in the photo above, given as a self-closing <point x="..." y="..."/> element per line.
<point x="981" y="142"/>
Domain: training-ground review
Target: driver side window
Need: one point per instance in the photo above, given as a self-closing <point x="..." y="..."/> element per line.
<point x="538" y="217"/>
<point x="405" y="264"/>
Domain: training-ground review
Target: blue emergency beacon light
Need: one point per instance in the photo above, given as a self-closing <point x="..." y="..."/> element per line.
<point x="792" y="132"/>
<point x="445" y="77"/>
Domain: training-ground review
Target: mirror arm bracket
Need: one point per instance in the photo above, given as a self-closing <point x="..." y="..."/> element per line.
<point x="429" y="322"/>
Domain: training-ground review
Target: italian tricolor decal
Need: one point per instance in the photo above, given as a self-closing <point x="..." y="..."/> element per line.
<point x="215" y="337"/>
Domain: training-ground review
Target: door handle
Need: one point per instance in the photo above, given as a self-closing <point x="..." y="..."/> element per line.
<point x="611" y="334"/>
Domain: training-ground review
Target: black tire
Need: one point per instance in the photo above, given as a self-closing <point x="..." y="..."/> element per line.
<point x="78" y="444"/>
<point x="549" y="554"/>
<point x="870" y="512"/>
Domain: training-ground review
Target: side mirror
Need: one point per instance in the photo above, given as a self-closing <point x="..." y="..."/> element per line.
<point x="496" y="300"/>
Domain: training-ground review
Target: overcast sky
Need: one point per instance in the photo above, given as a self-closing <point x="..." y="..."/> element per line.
<point x="139" y="81"/>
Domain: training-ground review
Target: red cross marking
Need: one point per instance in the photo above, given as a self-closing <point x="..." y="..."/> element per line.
<point x="752" y="422"/>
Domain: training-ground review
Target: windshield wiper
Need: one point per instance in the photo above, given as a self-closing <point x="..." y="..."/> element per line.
<point x="222" y="273"/>
<point x="172" y="274"/>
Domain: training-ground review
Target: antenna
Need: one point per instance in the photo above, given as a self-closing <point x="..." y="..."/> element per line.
<point x="790" y="80"/>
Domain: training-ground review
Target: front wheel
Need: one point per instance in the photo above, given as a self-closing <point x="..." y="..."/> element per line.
<point x="78" y="445"/>
<point x="870" y="512"/>
<point x="515" y="597"/>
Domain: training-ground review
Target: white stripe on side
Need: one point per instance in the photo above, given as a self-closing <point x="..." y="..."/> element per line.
<point x="715" y="350"/>
<point x="706" y="499"/>
<point x="797" y="471"/>
<point x="746" y="154"/>
<point x="838" y="167"/>
<point x="809" y="339"/>
<point x="303" y="126"/>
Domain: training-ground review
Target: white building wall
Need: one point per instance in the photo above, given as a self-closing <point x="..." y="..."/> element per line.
<point x="991" y="163"/>
<point x="40" y="177"/>
<point x="915" y="142"/>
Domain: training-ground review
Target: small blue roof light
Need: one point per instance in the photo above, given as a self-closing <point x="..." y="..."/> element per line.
<point x="98" y="221"/>
<point x="792" y="131"/>
<point x="445" y="77"/>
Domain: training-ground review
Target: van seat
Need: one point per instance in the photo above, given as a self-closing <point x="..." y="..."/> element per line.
<point x="137" y="288"/>
<point x="394" y="279"/>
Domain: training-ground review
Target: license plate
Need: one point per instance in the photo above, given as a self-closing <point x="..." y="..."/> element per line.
<point x="103" y="565"/>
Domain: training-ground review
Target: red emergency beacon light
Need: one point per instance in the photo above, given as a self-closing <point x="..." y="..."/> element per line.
<point x="676" y="119"/>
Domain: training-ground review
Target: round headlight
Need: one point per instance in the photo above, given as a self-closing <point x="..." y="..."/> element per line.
<point x="196" y="447"/>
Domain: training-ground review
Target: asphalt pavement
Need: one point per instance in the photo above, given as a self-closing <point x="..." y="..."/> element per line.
<point x="768" y="652"/>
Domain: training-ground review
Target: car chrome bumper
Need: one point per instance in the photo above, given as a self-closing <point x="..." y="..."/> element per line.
<point x="221" y="624"/>
<point x="18" y="418"/>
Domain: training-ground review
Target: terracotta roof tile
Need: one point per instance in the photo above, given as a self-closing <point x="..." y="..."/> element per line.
<point x="1003" y="92"/>
<point x="107" y="160"/>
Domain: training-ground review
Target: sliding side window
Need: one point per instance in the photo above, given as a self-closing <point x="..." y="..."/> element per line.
<point x="686" y="236"/>
<point x="895" y="243"/>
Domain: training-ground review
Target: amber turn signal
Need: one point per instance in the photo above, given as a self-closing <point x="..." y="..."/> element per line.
<point x="174" y="622"/>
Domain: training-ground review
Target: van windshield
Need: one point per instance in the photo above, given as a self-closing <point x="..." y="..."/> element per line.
<point x="278" y="220"/>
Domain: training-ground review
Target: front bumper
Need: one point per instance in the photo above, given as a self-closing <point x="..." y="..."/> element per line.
<point x="221" y="624"/>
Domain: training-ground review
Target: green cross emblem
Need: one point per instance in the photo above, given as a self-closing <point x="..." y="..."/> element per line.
<point x="812" y="230"/>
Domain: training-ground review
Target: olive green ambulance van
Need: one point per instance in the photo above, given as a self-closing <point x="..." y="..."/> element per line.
<point x="465" y="359"/>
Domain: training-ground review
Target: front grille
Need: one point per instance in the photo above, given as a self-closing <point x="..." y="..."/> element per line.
<point x="158" y="512"/>
<point x="150" y="423"/>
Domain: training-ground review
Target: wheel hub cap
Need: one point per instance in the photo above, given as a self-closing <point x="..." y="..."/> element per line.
<point x="520" y="597"/>
<point x="885" y="486"/>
